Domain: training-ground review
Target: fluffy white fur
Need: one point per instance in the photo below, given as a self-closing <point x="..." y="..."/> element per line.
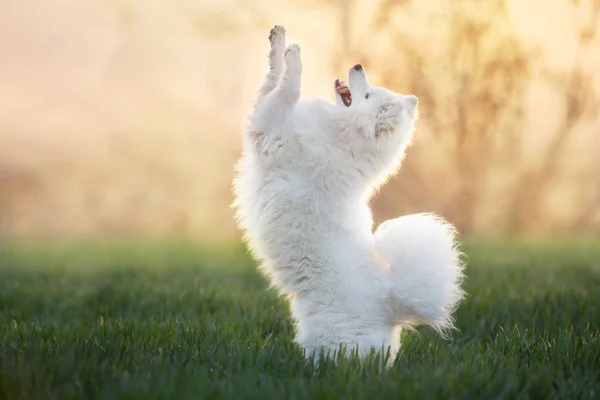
<point x="304" y="181"/>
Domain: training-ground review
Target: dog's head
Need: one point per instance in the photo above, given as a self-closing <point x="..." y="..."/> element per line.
<point x="378" y="123"/>
<point x="388" y="111"/>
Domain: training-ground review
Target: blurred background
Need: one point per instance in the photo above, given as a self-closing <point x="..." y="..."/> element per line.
<point x="124" y="117"/>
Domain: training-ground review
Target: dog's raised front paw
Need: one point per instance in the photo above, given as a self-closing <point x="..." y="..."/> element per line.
<point x="277" y="33"/>
<point x="293" y="61"/>
<point x="293" y="50"/>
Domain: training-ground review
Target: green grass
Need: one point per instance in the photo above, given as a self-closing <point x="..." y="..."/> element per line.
<point x="177" y="322"/>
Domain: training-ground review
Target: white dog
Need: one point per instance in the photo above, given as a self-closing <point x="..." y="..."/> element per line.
<point x="304" y="181"/>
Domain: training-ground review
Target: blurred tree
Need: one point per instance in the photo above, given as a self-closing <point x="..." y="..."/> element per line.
<point x="472" y="93"/>
<point x="472" y="82"/>
<point x="581" y="102"/>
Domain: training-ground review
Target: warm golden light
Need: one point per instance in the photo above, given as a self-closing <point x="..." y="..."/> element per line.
<point x="121" y="117"/>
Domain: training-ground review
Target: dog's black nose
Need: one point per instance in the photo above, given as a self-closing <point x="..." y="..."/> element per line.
<point x="357" y="67"/>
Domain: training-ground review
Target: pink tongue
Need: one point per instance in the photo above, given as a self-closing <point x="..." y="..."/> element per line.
<point x="343" y="89"/>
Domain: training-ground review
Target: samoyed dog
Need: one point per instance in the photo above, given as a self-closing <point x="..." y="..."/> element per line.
<point x="303" y="184"/>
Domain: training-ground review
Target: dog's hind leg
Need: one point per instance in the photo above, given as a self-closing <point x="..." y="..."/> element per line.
<point x="276" y="63"/>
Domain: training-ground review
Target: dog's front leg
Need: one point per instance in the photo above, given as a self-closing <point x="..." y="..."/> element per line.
<point x="272" y="115"/>
<point x="287" y="92"/>
<point x="276" y="63"/>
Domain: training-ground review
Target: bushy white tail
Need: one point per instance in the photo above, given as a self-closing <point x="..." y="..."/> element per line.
<point x="426" y="269"/>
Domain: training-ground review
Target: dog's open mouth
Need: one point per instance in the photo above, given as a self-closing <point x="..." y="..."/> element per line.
<point x="344" y="91"/>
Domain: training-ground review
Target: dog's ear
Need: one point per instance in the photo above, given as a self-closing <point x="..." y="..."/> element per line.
<point x="383" y="118"/>
<point x="388" y="117"/>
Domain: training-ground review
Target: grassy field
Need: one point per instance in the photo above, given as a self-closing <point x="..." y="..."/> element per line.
<point x="171" y="321"/>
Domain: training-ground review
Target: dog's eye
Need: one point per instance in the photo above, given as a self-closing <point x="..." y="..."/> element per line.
<point x="367" y="96"/>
